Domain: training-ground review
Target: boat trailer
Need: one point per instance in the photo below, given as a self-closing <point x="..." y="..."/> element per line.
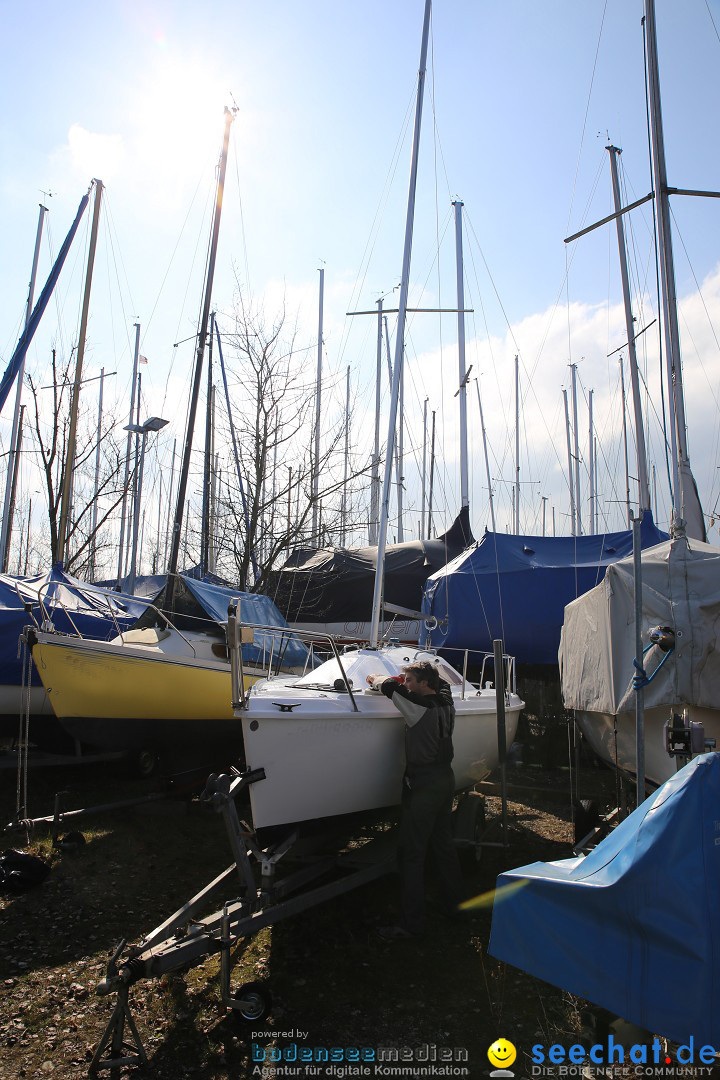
<point x="262" y="897"/>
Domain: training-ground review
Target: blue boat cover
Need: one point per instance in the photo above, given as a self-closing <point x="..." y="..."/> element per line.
<point x="71" y="605"/>
<point x="516" y="588"/>
<point x="633" y="925"/>
<point x="254" y="609"/>
<point x="204" y="598"/>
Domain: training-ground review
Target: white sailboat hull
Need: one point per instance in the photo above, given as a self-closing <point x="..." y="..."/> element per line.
<point x="322" y="758"/>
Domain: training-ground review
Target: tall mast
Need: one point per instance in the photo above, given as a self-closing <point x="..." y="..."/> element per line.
<point x="591" y="461"/>
<point x="93" y="519"/>
<point x="318" y="399"/>
<point x="346" y="457"/>
<point x="578" y="513"/>
<point x="16" y="470"/>
<point x="424" y="472"/>
<point x="170" y="496"/>
<point x="644" y="489"/>
<point x="11" y="479"/>
<point x="432" y="478"/>
<point x="462" y="376"/>
<point x="201" y="339"/>
<point x="571" y="482"/>
<point x="516" y="514"/>
<point x="236" y="454"/>
<point x="625" y="446"/>
<point x="212" y="509"/>
<point x="375" y="474"/>
<point x="131" y="421"/>
<point x="207" y="462"/>
<point x="61" y="548"/>
<point x="487" y="459"/>
<point x="686" y="503"/>
<point x="398" y="444"/>
<point x="400" y="335"/>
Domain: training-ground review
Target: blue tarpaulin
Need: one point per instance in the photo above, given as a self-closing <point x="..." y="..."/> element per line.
<point x="632" y="926"/>
<point x="516" y="588"/>
<point x="253" y="609"/>
<point x="71" y="605"/>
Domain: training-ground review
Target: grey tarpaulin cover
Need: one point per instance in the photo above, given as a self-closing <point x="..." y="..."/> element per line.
<point x="680" y="589"/>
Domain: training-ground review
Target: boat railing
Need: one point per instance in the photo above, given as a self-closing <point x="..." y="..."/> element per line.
<point x="510" y="680"/>
<point x="239" y="634"/>
<point x="109" y="613"/>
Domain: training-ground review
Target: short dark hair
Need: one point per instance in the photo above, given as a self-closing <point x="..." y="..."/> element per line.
<point x="426" y="672"/>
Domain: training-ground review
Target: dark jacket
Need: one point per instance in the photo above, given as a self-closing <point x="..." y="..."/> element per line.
<point x="429" y="722"/>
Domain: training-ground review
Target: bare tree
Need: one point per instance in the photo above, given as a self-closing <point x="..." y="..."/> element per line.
<point x="273" y="392"/>
<point x="49" y="431"/>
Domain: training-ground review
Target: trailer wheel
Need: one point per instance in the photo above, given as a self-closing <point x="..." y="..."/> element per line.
<point x="145" y="763"/>
<point x="253" y="1003"/>
<point x="469" y="823"/>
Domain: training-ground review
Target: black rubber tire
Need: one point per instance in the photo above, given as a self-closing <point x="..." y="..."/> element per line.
<point x="257" y="1003"/>
<point x="145" y="763"/>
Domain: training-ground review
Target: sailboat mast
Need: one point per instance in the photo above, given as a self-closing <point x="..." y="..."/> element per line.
<point x="207" y="463"/>
<point x="516" y="515"/>
<point x="578" y="514"/>
<point x="625" y="446"/>
<point x="131" y="421"/>
<point x="400" y="334"/>
<point x="93" y="520"/>
<point x="591" y="462"/>
<point x="680" y="463"/>
<point x="464" y="484"/>
<point x="630" y="331"/>
<point x="318" y="400"/>
<point x="375" y="474"/>
<point x="397" y="446"/>
<point x="571" y="482"/>
<point x="11" y="479"/>
<point x="346" y="459"/>
<point x="61" y="546"/>
<point x="424" y="472"/>
<point x="487" y="459"/>
<point x="432" y="478"/>
<point x="201" y="339"/>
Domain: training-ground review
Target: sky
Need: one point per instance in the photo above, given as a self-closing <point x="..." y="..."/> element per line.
<point x="521" y="101"/>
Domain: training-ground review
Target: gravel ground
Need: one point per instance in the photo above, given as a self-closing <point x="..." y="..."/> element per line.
<point x="332" y="977"/>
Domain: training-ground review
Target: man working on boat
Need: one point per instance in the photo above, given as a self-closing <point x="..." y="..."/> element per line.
<point x="425" y="702"/>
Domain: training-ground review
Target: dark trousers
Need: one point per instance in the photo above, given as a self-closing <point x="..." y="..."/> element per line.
<point x="426" y="826"/>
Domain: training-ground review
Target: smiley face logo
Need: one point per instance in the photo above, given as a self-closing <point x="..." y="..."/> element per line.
<point x="502" y="1054"/>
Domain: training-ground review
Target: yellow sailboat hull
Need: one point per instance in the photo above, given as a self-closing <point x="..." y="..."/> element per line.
<point x="117" y="697"/>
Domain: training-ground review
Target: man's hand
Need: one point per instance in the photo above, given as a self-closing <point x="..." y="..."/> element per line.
<point x="375" y="681"/>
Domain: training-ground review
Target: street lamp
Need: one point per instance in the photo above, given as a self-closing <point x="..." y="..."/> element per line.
<point x="155" y="423"/>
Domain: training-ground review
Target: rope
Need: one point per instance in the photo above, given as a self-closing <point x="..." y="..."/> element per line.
<point x="21" y="796"/>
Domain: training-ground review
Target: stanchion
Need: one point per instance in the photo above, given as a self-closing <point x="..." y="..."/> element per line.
<point x="502" y="739"/>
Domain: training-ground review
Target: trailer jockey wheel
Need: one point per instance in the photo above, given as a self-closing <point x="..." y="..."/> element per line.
<point x="145" y="763"/>
<point x="469" y="823"/>
<point x="253" y="1003"/>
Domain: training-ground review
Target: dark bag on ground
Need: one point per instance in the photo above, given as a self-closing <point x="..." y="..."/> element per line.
<point x="19" y="871"/>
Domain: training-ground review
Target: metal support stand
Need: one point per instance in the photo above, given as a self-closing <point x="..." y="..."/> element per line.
<point x="121" y="1052"/>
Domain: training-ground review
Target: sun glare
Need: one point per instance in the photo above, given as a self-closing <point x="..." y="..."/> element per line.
<point x="179" y="119"/>
<point x="93" y="154"/>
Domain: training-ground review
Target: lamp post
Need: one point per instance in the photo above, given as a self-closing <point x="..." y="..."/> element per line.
<point x="155" y="423"/>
